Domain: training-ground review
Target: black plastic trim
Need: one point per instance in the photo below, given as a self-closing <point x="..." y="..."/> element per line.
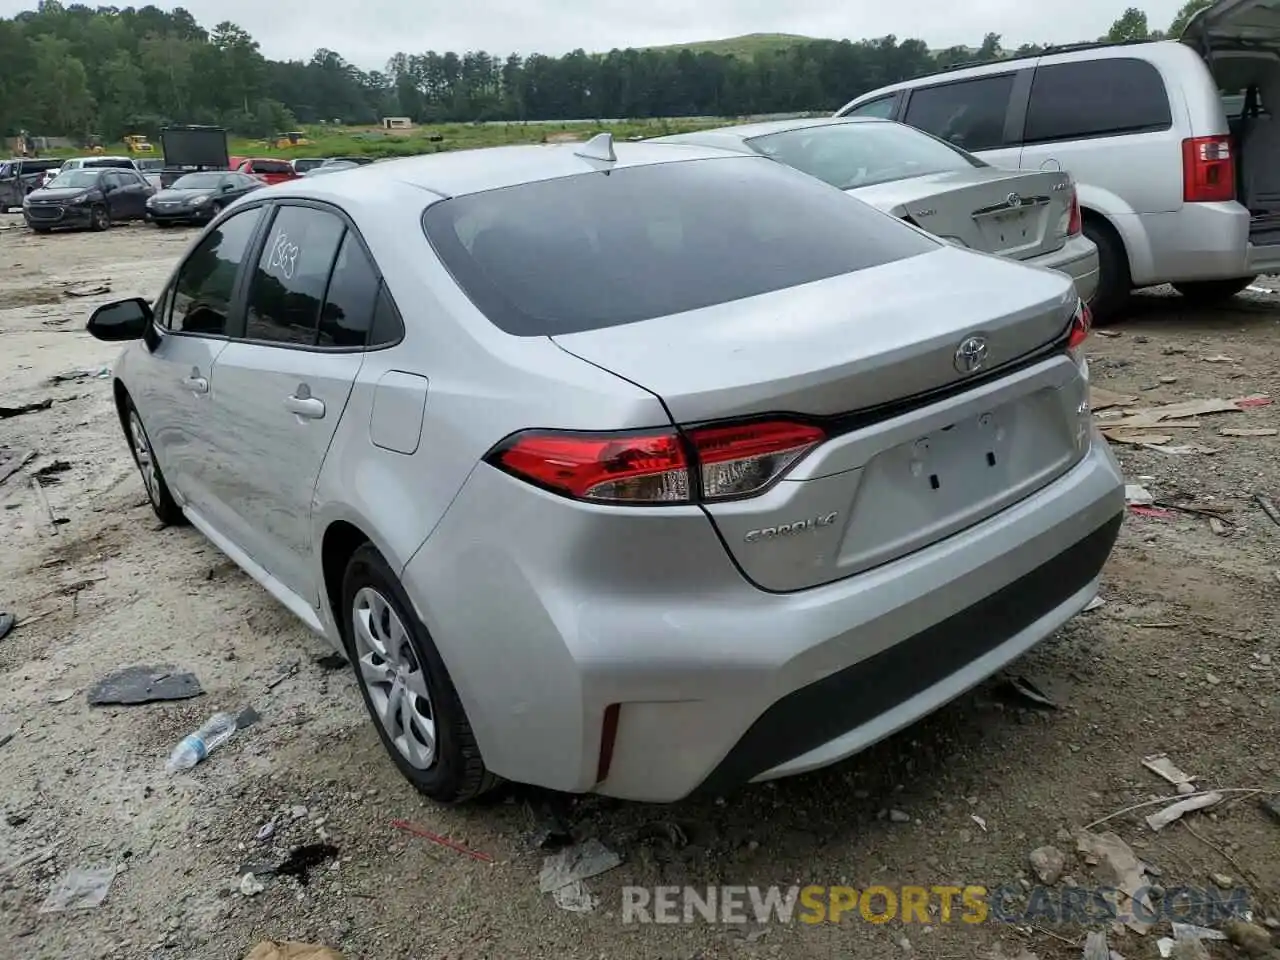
<point x="823" y="711"/>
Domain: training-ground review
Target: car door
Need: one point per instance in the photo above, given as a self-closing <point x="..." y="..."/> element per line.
<point x="137" y="190"/>
<point x="975" y="113"/>
<point x="281" y="385"/>
<point x="115" y="193"/>
<point x="193" y="316"/>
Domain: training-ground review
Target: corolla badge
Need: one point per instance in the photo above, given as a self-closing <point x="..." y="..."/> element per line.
<point x="791" y="529"/>
<point x="971" y="355"/>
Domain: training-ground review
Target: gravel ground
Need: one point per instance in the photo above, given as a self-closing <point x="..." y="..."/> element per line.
<point x="1182" y="658"/>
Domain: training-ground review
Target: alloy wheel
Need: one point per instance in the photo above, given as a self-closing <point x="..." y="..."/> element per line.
<point x="389" y="669"/>
<point x="146" y="460"/>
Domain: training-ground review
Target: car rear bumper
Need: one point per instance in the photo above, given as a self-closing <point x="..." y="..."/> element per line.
<point x="1201" y="241"/>
<point x="545" y="625"/>
<point x="1078" y="259"/>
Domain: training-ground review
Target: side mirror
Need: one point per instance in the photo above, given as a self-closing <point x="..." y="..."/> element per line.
<point x="228" y="187"/>
<point x="122" y="320"/>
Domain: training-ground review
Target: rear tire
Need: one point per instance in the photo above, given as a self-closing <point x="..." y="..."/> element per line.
<point x="1209" y="292"/>
<point x="1114" y="282"/>
<point x="405" y="685"/>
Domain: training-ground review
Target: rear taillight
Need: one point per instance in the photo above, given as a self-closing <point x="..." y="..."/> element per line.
<point x="1208" y="173"/>
<point x="716" y="462"/>
<point x="1081" y="321"/>
<point x="1075" y="223"/>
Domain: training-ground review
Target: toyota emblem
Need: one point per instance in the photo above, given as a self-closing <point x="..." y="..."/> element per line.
<point x="1013" y="200"/>
<point x="971" y="355"/>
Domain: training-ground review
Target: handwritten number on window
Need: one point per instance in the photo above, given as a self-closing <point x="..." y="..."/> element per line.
<point x="284" y="256"/>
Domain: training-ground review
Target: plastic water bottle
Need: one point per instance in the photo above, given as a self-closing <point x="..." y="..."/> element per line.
<point x="193" y="748"/>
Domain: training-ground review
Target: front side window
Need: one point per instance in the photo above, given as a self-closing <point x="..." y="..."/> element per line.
<point x="600" y="249"/>
<point x="1096" y="98"/>
<point x="850" y="155"/>
<point x="289" y="281"/>
<point x="968" y="113"/>
<point x="207" y="279"/>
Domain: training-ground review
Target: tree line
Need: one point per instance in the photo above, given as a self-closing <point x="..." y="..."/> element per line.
<point x="79" y="71"/>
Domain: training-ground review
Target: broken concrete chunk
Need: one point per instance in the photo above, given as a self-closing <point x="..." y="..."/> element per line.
<point x="145" y="684"/>
<point x="1048" y="862"/>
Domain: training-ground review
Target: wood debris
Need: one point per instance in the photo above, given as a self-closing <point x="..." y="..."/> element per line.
<point x="1100" y="398"/>
<point x="1249" y="431"/>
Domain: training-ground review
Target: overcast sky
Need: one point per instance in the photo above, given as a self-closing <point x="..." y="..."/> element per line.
<point x="367" y="32"/>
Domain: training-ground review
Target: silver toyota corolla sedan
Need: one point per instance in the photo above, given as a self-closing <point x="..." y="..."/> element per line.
<point x="1032" y="216"/>
<point x="634" y="472"/>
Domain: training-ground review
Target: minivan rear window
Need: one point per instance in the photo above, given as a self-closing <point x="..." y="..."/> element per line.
<point x="612" y="247"/>
<point x="1096" y="98"/>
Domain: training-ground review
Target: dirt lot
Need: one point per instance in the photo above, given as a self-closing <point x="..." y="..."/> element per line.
<point x="1183" y="658"/>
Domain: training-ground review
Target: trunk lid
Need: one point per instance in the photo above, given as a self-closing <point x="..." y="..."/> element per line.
<point x="1234" y="25"/>
<point x="1011" y="213"/>
<point x="888" y="483"/>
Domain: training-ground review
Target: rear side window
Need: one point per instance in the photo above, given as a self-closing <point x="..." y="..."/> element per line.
<point x="968" y="113"/>
<point x="272" y="166"/>
<point x="207" y="279"/>
<point x="1097" y="98"/>
<point x="882" y="108"/>
<point x="289" y="282"/>
<point x="600" y="249"/>
<point x="349" y="304"/>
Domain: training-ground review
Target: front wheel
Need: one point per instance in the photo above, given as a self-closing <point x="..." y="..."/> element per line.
<point x="405" y="685"/>
<point x="1210" y="292"/>
<point x="99" y="218"/>
<point x="162" y="502"/>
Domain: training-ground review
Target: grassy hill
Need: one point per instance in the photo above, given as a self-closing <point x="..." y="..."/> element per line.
<point x="744" y="47"/>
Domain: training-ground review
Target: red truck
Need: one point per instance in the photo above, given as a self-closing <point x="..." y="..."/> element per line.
<point x="266" y="169"/>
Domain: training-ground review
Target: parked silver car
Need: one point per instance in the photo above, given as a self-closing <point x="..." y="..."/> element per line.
<point x="1032" y="216"/>
<point x="630" y="472"/>
<point x="1174" y="188"/>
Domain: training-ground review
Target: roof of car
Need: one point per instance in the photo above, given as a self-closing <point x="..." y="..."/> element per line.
<point x="473" y="171"/>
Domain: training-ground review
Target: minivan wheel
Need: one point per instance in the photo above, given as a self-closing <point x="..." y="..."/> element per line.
<point x="1208" y="292"/>
<point x="162" y="502"/>
<point x="1114" y="283"/>
<point x="99" y="218"/>
<point x="405" y="685"/>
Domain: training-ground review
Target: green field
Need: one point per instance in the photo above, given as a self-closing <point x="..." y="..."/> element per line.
<point x="744" y="47"/>
<point x="328" y="141"/>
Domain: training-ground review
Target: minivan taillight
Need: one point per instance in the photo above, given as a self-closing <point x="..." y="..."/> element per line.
<point x="716" y="462"/>
<point x="1208" y="172"/>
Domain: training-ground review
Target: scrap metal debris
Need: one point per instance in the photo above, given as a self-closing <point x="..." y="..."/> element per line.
<point x="6" y="624"/>
<point x="563" y="874"/>
<point x="88" y="290"/>
<point x="7" y="412"/>
<point x="417" y="831"/>
<point x="1161" y="765"/>
<point x="1125" y="872"/>
<point x="81" y="888"/>
<point x="145" y="684"/>
<point x="1028" y="691"/>
<point x="1162" y="818"/>
<point x="1268" y="507"/>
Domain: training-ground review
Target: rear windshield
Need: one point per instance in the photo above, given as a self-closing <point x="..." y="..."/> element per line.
<point x="601" y="249"/>
<point x="272" y="166"/>
<point x="111" y="162"/>
<point x="849" y="155"/>
<point x="199" y="181"/>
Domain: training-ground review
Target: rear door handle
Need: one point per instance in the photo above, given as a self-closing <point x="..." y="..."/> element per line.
<point x="196" y="383"/>
<point x="307" y="406"/>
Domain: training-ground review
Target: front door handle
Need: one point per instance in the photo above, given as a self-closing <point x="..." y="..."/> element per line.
<point x="308" y="406"/>
<point x="195" y="382"/>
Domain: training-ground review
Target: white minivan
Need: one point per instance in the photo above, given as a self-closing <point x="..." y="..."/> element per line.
<point x="1175" y="187"/>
